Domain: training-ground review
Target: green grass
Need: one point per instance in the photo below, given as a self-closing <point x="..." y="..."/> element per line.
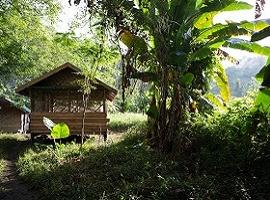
<point x="123" y="121"/>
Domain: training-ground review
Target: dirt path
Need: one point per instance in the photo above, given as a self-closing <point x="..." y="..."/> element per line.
<point x="11" y="186"/>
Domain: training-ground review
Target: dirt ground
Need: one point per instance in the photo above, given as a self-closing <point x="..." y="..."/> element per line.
<point x="11" y="186"/>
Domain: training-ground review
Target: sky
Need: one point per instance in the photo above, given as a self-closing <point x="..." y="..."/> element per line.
<point x="68" y="14"/>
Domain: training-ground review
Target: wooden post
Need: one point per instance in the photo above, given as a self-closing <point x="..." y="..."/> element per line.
<point x="104" y="102"/>
<point x="51" y="102"/>
<point x="69" y="102"/>
<point x="32" y="103"/>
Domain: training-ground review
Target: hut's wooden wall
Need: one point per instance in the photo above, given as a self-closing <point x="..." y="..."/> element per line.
<point x="10" y="119"/>
<point x="94" y="122"/>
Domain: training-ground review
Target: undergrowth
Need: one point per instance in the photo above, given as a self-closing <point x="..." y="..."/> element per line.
<point x="219" y="156"/>
<point x="228" y="153"/>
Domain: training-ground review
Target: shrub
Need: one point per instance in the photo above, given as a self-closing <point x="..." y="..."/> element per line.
<point x="225" y="152"/>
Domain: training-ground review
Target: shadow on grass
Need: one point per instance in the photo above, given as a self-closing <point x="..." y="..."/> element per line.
<point x="209" y="168"/>
<point x="127" y="170"/>
<point x="12" y="145"/>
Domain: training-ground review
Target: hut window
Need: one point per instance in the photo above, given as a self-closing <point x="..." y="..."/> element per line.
<point x="38" y="101"/>
<point x="66" y="101"/>
<point x="74" y="103"/>
<point x="60" y="105"/>
<point x="95" y="106"/>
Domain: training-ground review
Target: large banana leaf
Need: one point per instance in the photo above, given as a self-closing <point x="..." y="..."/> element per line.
<point x="201" y="53"/>
<point x="205" y="20"/>
<point x="254" y="26"/>
<point x="247" y="46"/>
<point x="229" y="30"/>
<point x="228" y="5"/>
<point x="222" y="82"/>
<point x="205" y="33"/>
<point x="232" y="29"/>
<point x="261" y="34"/>
<point x="212" y="8"/>
<point x="213" y="99"/>
<point x="264" y="75"/>
<point x="237" y="5"/>
<point x="207" y="50"/>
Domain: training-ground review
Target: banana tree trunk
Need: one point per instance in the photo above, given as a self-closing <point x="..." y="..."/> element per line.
<point x="167" y="123"/>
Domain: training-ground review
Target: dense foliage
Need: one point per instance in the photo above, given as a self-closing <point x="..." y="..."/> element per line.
<point x="35" y="47"/>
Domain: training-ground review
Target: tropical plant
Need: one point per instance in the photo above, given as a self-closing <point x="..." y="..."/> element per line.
<point x="60" y="130"/>
<point x="262" y="102"/>
<point x="176" y="46"/>
<point x="263" y="99"/>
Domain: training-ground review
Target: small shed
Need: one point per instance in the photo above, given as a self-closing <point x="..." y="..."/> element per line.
<point x="13" y="118"/>
<point x="58" y="96"/>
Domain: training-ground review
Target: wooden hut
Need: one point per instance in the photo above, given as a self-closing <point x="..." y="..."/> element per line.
<point x="58" y="96"/>
<point x="13" y="118"/>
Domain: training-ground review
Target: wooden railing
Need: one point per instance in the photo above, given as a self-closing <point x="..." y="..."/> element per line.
<point x="95" y="122"/>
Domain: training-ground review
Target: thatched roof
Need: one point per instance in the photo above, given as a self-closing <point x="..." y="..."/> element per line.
<point x="65" y="71"/>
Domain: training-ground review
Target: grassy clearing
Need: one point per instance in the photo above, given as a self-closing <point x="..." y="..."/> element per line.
<point x="120" y="122"/>
<point x="129" y="169"/>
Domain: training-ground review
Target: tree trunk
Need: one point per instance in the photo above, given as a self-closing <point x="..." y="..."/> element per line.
<point x="85" y="103"/>
<point x="167" y="123"/>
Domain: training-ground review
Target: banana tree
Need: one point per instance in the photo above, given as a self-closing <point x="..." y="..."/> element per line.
<point x="175" y="45"/>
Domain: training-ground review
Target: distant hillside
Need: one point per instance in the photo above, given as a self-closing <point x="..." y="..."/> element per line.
<point x="242" y="76"/>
